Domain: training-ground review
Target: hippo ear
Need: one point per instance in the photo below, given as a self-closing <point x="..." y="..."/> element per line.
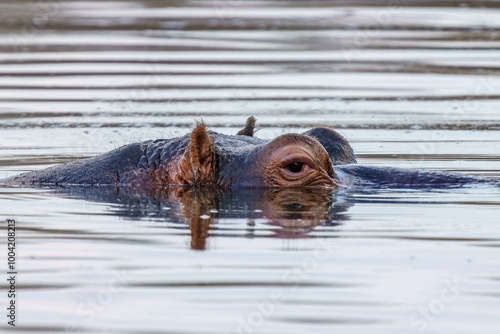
<point x="249" y="127"/>
<point x="338" y="147"/>
<point x="201" y="155"/>
<point x="196" y="165"/>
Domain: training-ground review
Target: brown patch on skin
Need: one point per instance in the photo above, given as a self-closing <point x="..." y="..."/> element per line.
<point x="179" y="169"/>
<point x="285" y="151"/>
<point x="193" y="167"/>
<point x="249" y="128"/>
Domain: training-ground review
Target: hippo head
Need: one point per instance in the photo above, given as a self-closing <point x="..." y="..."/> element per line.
<point x="207" y="158"/>
<point x="290" y="160"/>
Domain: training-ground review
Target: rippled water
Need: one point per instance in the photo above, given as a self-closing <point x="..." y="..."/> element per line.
<point x="410" y="84"/>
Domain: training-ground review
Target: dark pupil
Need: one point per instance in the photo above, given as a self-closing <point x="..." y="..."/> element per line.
<point x="295" y="167"/>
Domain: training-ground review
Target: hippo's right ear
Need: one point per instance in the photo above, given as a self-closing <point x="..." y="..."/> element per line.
<point x="338" y="148"/>
<point x="197" y="162"/>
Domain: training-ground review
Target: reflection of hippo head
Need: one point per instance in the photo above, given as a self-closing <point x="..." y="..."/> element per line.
<point x="296" y="211"/>
<point x="287" y="212"/>
<point x="207" y="158"/>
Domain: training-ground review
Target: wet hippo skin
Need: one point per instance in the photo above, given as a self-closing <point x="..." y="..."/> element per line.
<point x="318" y="157"/>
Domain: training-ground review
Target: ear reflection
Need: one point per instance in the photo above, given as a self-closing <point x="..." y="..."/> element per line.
<point x="198" y="208"/>
<point x="287" y="213"/>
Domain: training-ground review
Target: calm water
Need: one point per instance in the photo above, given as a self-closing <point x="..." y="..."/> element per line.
<point x="413" y="86"/>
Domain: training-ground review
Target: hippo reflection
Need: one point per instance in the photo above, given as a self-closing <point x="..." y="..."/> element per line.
<point x="318" y="157"/>
<point x="287" y="212"/>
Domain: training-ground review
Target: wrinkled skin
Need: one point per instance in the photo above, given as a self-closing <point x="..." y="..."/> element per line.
<point x="318" y="157"/>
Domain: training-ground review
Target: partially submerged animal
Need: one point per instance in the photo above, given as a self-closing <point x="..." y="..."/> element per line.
<point x="318" y="157"/>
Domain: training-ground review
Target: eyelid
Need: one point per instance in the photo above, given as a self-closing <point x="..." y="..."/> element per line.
<point x="298" y="158"/>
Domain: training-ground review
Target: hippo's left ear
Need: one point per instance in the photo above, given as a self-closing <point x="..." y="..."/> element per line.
<point x="197" y="163"/>
<point x="249" y="128"/>
<point x="338" y="148"/>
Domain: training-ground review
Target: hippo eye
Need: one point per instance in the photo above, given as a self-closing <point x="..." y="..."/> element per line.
<point x="295" y="167"/>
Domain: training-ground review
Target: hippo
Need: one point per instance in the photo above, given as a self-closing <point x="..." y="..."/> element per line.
<point x="319" y="157"/>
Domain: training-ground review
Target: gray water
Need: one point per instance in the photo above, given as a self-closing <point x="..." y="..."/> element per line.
<point x="409" y="84"/>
